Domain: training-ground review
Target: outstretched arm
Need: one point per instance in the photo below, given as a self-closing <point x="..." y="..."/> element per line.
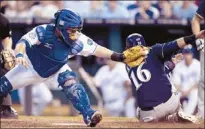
<point x="190" y="39"/>
<point x="128" y="56"/>
<point x="106" y="53"/>
<point x="166" y="50"/>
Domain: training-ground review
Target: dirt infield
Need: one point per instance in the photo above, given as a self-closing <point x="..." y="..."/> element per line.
<point x="76" y="122"/>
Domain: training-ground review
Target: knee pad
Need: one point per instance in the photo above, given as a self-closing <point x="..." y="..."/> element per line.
<point x="5" y="86"/>
<point x="67" y="78"/>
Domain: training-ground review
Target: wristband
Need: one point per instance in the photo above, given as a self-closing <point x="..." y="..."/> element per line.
<point x="19" y="55"/>
<point x="190" y="39"/>
<point x="117" y="56"/>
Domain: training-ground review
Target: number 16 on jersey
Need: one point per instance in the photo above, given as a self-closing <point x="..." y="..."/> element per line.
<point x="139" y="75"/>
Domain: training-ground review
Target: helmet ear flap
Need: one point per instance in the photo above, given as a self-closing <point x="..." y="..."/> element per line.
<point x="56" y="15"/>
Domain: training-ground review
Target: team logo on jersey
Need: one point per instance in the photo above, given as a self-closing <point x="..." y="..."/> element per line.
<point x="90" y="42"/>
<point x="50" y="46"/>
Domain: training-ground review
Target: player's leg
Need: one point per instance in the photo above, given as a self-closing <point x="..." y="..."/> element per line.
<point x="18" y="77"/>
<point x="76" y="93"/>
<point x="191" y="104"/>
<point x="21" y="94"/>
<point x="115" y="108"/>
<point x="42" y="96"/>
<point x="160" y="112"/>
<point x="177" y="115"/>
<point x="130" y="109"/>
<point x="6" y="110"/>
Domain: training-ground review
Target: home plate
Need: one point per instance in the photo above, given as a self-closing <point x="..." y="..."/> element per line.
<point x="69" y="124"/>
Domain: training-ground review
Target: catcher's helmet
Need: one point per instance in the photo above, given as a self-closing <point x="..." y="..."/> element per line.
<point x="67" y="19"/>
<point x="135" y="39"/>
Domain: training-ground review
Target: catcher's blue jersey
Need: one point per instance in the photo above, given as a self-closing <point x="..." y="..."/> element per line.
<point x="48" y="53"/>
<point x="150" y="79"/>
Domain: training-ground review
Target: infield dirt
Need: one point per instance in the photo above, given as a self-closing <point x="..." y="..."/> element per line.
<point x="77" y="122"/>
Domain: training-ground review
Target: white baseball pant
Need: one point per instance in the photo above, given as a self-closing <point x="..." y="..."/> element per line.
<point x="20" y="76"/>
<point x="161" y="111"/>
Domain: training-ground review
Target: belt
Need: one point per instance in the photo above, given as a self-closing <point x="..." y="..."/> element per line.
<point x="147" y="108"/>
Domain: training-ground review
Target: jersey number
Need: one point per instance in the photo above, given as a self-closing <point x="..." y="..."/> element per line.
<point x="143" y="75"/>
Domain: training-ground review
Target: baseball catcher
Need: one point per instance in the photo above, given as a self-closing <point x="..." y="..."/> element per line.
<point x="45" y="51"/>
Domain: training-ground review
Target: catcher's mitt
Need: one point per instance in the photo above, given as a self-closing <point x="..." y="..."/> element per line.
<point x="135" y="55"/>
<point x="7" y="59"/>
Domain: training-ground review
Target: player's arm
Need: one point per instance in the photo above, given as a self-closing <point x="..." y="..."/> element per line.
<point x="31" y="38"/>
<point x="166" y="50"/>
<point x="200" y="13"/>
<point x="106" y="53"/>
<point x="182" y="42"/>
<point x="89" y="47"/>
<point x="195" y="24"/>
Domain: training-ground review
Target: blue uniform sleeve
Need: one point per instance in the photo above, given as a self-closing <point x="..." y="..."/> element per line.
<point x="166" y="50"/>
<point x="201" y="10"/>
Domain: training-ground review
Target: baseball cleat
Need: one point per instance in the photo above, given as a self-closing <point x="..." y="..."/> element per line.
<point x="8" y="113"/>
<point x="95" y="119"/>
<point x="182" y="117"/>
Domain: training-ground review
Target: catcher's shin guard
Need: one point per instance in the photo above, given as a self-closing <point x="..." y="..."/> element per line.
<point x="78" y="97"/>
<point x="76" y="93"/>
<point x="5" y="86"/>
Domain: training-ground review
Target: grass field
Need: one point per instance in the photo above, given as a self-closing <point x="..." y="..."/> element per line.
<point x="76" y="122"/>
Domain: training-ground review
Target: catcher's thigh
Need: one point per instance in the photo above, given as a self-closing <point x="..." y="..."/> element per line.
<point x="20" y="76"/>
<point x="52" y="82"/>
<point x="161" y="111"/>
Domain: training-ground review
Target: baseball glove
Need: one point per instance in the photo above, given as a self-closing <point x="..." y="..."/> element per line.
<point x="7" y="59"/>
<point x="135" y="56"/>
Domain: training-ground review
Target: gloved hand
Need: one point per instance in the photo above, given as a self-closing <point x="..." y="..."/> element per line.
<point x="200" y="44"/>
<point x="7" y="59"/>
<point x="135" y="56"/>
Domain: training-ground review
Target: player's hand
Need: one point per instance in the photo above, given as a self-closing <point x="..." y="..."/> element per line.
<point x="199" y="44"/>
<point x="177" y="58"/>
<point x="200" y="35"/>
<point x="21" y="61"/>
<point x="7" y="59"/>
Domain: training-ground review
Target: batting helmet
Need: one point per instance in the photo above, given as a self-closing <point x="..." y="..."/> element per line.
<point x="66" y="19"/>
<point x="135" y="39"/>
